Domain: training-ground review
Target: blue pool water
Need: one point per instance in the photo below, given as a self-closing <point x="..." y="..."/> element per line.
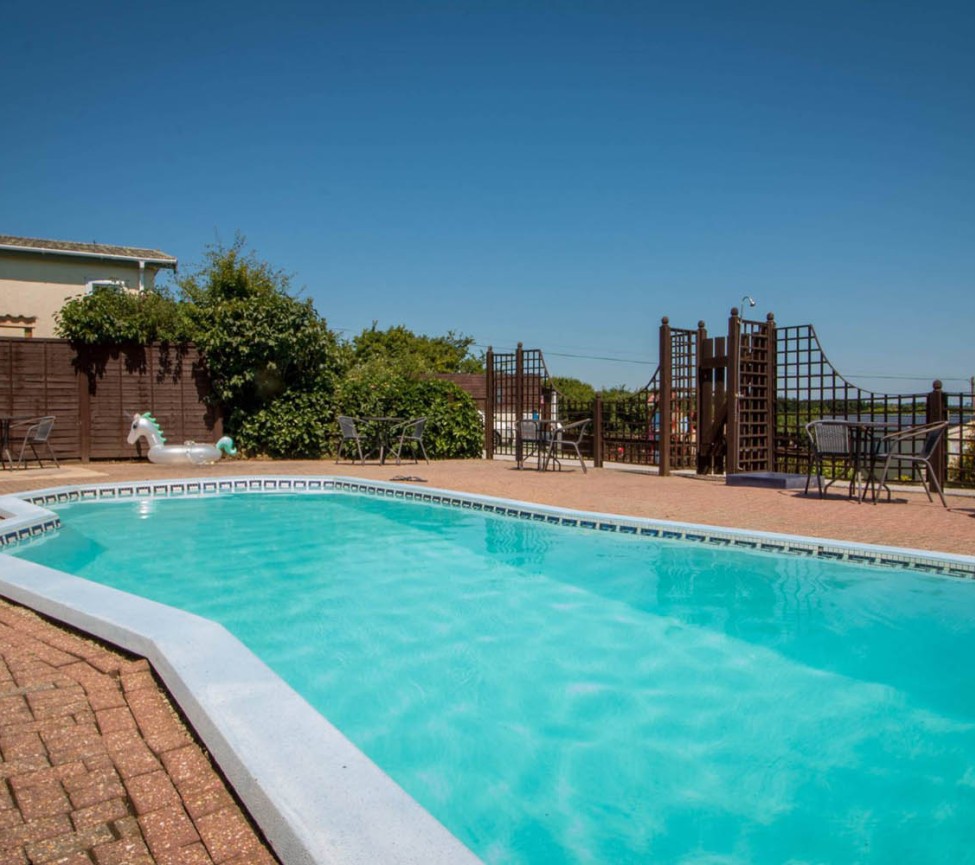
<point x="561" y="696"/>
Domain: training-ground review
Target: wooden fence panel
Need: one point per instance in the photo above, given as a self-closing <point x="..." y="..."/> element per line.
<point x="94" y="390"/>
<point x="151" y="379"/>
<point x="37" y="378"/>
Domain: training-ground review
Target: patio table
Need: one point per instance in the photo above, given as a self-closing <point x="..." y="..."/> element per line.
<point x="546" y="429"/>
<point x="865" y="437"/>
<point x="383" y="427"/>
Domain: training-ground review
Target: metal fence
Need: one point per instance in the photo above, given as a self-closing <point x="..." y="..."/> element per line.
<point x="731" y="403"/>
<point x="810" y="388"/>
<point x="517" y="387"/>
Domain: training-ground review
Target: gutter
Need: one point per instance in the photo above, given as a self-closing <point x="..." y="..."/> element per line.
<point x="161" y="262"/>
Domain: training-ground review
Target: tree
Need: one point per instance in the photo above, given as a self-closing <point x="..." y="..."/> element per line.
<point x="277" y="370"/>
<point x="573" y="390"/>
<point x="415" y="355"/>
<point x="261" y="344"/>
<point x="618" y="393"/>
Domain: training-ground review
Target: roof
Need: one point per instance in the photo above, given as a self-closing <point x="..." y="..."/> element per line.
<point x="91" y="250"/>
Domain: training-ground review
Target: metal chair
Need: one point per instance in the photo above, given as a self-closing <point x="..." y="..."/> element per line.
<point x="913" y="445"/>
<point x="38" y="433"/>
<point x="410" y="433"/>
<point x="529" y="433"/>
<point x="831" y="443"/>
<point x="350" y="433"/>
<point x="568" y="436"/>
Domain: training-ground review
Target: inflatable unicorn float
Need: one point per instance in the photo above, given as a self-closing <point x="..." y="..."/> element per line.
<point x="194" y="453"/>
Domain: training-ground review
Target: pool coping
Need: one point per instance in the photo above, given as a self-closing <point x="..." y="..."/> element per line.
<point x="315" y="796"/>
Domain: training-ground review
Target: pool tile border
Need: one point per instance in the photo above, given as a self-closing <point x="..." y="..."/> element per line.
<point x="44" y="520"/>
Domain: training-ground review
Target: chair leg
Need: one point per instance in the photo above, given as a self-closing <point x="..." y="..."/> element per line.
<point x="50" y="450"/>
<point x="343" y="444"/>
<point x="414" y="443"/>
<point x="818" y="466"/>
<point x="933" y="479"/>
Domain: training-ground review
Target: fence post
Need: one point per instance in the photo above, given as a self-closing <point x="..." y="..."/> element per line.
<point x="518" y="408"/>
<point x="666" y="394"/>
<point x="734" y="385"/>
<point x="84" y="405"/>
<point x="489" y="397"/>
<point x="937" y="411"/>
<point x="704" y="400"/>
<point x="597" y="431"/>
<point x="771" y="395"/>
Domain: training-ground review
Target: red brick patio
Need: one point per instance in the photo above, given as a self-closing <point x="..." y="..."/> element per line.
<point x="97" y="767"/>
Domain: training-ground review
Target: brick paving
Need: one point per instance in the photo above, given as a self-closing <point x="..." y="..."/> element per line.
<point x="98" y="769"/>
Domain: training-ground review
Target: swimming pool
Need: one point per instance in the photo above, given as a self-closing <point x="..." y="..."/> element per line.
<point x="565" y="696"/>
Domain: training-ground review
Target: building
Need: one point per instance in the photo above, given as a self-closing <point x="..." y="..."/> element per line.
<point x="37" y="277"/>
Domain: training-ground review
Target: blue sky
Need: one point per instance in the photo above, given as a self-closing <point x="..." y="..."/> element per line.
<point x="562" y="174"/>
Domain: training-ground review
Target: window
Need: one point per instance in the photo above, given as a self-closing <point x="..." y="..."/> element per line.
<point x="92" y="284"/>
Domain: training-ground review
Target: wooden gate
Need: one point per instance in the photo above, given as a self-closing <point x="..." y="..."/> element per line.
<point x="712" y="400"/>
<point x="718" y="397"/>
<point x="751" y="378"/>
<point x="678" y="397"/>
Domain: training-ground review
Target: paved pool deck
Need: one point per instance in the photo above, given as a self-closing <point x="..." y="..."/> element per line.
<point x="909" y="520"/>
<point x="99" y="768"/>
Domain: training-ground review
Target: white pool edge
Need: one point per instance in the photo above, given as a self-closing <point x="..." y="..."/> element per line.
<point x="22" y="526"/>
<point x="316" y="797"/>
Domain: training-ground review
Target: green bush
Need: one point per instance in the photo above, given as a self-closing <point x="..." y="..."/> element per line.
<point x="279" y="373"/>
<point x="260" y="343"/>
<point x="296" y="426"/>
<point x="454" y="429"/>
<point x="110" y="316"/>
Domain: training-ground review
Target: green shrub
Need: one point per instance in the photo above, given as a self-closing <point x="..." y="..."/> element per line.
<point x="454" y="429"/>
<point x="294" y="426"/>
<point x="110" y="316"/>
<point x="260" y="343"/>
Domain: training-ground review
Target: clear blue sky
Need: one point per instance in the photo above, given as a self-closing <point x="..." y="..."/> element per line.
<point x="562" y="174"/>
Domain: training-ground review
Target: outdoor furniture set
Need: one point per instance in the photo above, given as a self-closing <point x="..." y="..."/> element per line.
<point x="37" y="431"/>
<point x="382" y="436"/>
<point x="550" y="440"/>
<point x="867" y="450"/>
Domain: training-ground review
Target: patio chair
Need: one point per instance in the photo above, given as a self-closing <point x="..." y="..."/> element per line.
<point x="38" y="433"/>
<point x="913" y="445"/>
<point x="410" y="433"/>
<point x="529" y="431"/>
<point x="350" y="435"/>
<point x="831" y="446"/>
<point x="566" y="437"/>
